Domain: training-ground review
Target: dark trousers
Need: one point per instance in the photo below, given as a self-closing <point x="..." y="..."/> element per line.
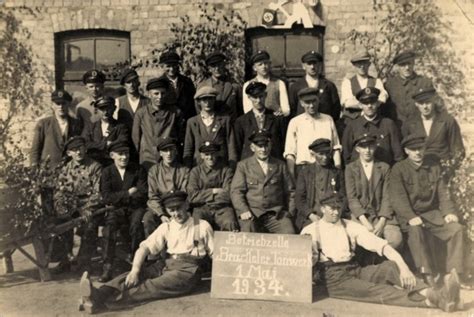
<point x="177" y="277"/>
<point x="220" y="218"/>
<point x="371" y="284"/>
<point x="151" y="221"/>
<point x="450" y="234"/>
<point x="271" y="222"/>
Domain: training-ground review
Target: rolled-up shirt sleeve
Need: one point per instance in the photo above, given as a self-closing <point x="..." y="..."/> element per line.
<point x="366" y="239"/>
<point x="157" y="240"/>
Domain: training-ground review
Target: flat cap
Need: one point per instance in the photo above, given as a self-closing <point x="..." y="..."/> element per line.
<point x="128" y="75"/>
<point x="74" y="143"/>
<point x="155" y="83"/>
<point x="368" y="95"/>
<point x="414" y="141"/>
<point x="174" y="198"/>
<point x="404" y="57"/>
<point x="166" y="143"/>
<point x="209" y="147"/>
<point x="308" y="94"/>
<point x="365" y="139"/>
<point x="255" y="88"/>
<point x="260" y="137"/>
<point x="169" y="57"/>
<point x="312" y="56"/>
<point x="59" y="96"/>
<point x="118" y="146"/>
<point x="321" y="145"/>
<point x="206" y="91"/>
<point x="360" y="56"/>
<point x="104" y="102"/>
<point x="259" y="56"/>
<point x="93" y="76"/>
<point x="215" y="58"/>
<point x="424" y="94"/>
<point x="332" y="198"/>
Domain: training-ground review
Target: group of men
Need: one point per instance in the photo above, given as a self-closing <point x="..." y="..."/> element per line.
<point x="260" y="159"/>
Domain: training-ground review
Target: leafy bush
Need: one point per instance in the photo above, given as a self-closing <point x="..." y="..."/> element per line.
<point x="216" y="30"/>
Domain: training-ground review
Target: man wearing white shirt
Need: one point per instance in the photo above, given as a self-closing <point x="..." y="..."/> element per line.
<point x="390" y="283"/>
<point x="277" y="96"/>
<point x="187" y="241"/>
<point x="307" y="127"/>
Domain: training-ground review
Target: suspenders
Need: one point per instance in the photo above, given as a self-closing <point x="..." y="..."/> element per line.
<point x="318" y="240"/>
<point x="196" y="234"/>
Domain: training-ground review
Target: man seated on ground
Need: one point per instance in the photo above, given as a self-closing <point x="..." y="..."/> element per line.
<point x="422" y="202"/>
<point x="367" y="192"/>
<point x="123" y="186"/>
<point x="390" y="283"/>
<point x="103" y="132"/>
<point x="315" y="180"/>
<point x="262" y="190"/>
<point x="78" y="191"/>
<point x="163" y="177"/>
<point x="209" y="189"/>
<point x="187" y="240"/>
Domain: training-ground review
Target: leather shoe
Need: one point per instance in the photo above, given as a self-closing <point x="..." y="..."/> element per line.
<point x="446" y="298"/>
<point x="62" y="267"/>
<point x="88" y="301"/>
<point x="106" y="273"/>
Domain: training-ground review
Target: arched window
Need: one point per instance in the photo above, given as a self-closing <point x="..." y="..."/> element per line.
<point x="82" y="50"/>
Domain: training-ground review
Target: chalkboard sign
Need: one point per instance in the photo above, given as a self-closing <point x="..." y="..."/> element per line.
<point x="262" y="266"/>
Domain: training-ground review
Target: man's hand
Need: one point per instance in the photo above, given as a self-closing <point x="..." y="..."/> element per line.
<point x="415" y="221"/>
<point x="407" y="278"/>
<point x="217" y="191"/>
<point x="278" y="113"/>
<point x="451" y="218"/>
<point x="379" y="226"/>
<point x="313" y="217"/>
<point x="164" y="219"/>
<point x="246" y="215"/>
<point x="132" y="278"/>
<point x="87" y="214"/>
<point x="365" y="222"/>
<point x="132" y="191"/>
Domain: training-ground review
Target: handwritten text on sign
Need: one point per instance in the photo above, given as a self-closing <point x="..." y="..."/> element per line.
<point x="262" y="266"/>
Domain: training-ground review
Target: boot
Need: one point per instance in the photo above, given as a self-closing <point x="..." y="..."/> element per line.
<point x="89" y="301"/>
<point x="106" y="273"/>
<point x="446" y="298"/>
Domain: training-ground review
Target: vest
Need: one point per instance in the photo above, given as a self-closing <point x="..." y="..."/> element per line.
<point x="272" y="101"/>
<point x="355" y="86"/>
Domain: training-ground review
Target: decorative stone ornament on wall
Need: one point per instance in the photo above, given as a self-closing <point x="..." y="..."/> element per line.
<point x="300" y="14"/>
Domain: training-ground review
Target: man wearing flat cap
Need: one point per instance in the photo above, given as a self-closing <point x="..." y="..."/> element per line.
<point x="277" y="96"/>
<point x="129" y="103"/>
<point x="442" y="132"/>
<point x="77" y="191"/>
<point x="229" y="98"/>
<point x="156" y="120"/>
<point x="168" y="174"/>
<point x="422" y="203"/>
<point x="181" y="88"/>
<point x="312" y="63"/>
<point x="400" y="105"/>
<point x="209" y="189"/>
<point x="52" y="132"/>
<point x="257" y="119"/>
<point x="367" y="192"/>
<point x="94" y="81"/>
<point x="388" y="136"/>
<point x="307" y="127"/>
<point x="208" y="125"/>
<point x="102" y="133"/>
<point x="314" y="181"/>
<point x="262" y="190"/>
<point x="391" y="282"/>
<point x="124" y="186"/>
<point x="188" y="242"/>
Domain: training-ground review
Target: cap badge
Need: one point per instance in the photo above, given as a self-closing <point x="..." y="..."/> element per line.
<point x="94" y="73"/>
<point x="60" y="94"/>
<point x="368" y="90"/>
<point x="207" y="143"/>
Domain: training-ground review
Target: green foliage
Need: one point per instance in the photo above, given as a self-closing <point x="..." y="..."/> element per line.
<point x="417" y="25"/>
<point x="216" y="30"/>
<point x="20" y="96"/>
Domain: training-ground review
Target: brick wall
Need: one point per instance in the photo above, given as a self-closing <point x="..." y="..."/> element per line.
<point x="148" y="20"/>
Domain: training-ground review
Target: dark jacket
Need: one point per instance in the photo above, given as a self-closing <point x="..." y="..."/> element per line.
<point x="183" y="96"/>
<point x="228" y="101"/>
<point x="246" y="125"/>
<point x="125" y="111"/>
<point x="252" y="191"/>
<point x="419" y="191"/>
<point x="48" y="143"/>
<point x="114" y="190"/>
<point x="329" y="102"/>
<point x="221" y="132"/>
<point x="313" y="181"/>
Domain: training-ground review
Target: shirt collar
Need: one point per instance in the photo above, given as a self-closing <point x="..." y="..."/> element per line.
<point x="375" y="120"/>
<point x="188" y="223"/>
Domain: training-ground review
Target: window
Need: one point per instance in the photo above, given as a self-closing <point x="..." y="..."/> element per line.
<point x="80" y="51"/>
<point x="285" y="46"/>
